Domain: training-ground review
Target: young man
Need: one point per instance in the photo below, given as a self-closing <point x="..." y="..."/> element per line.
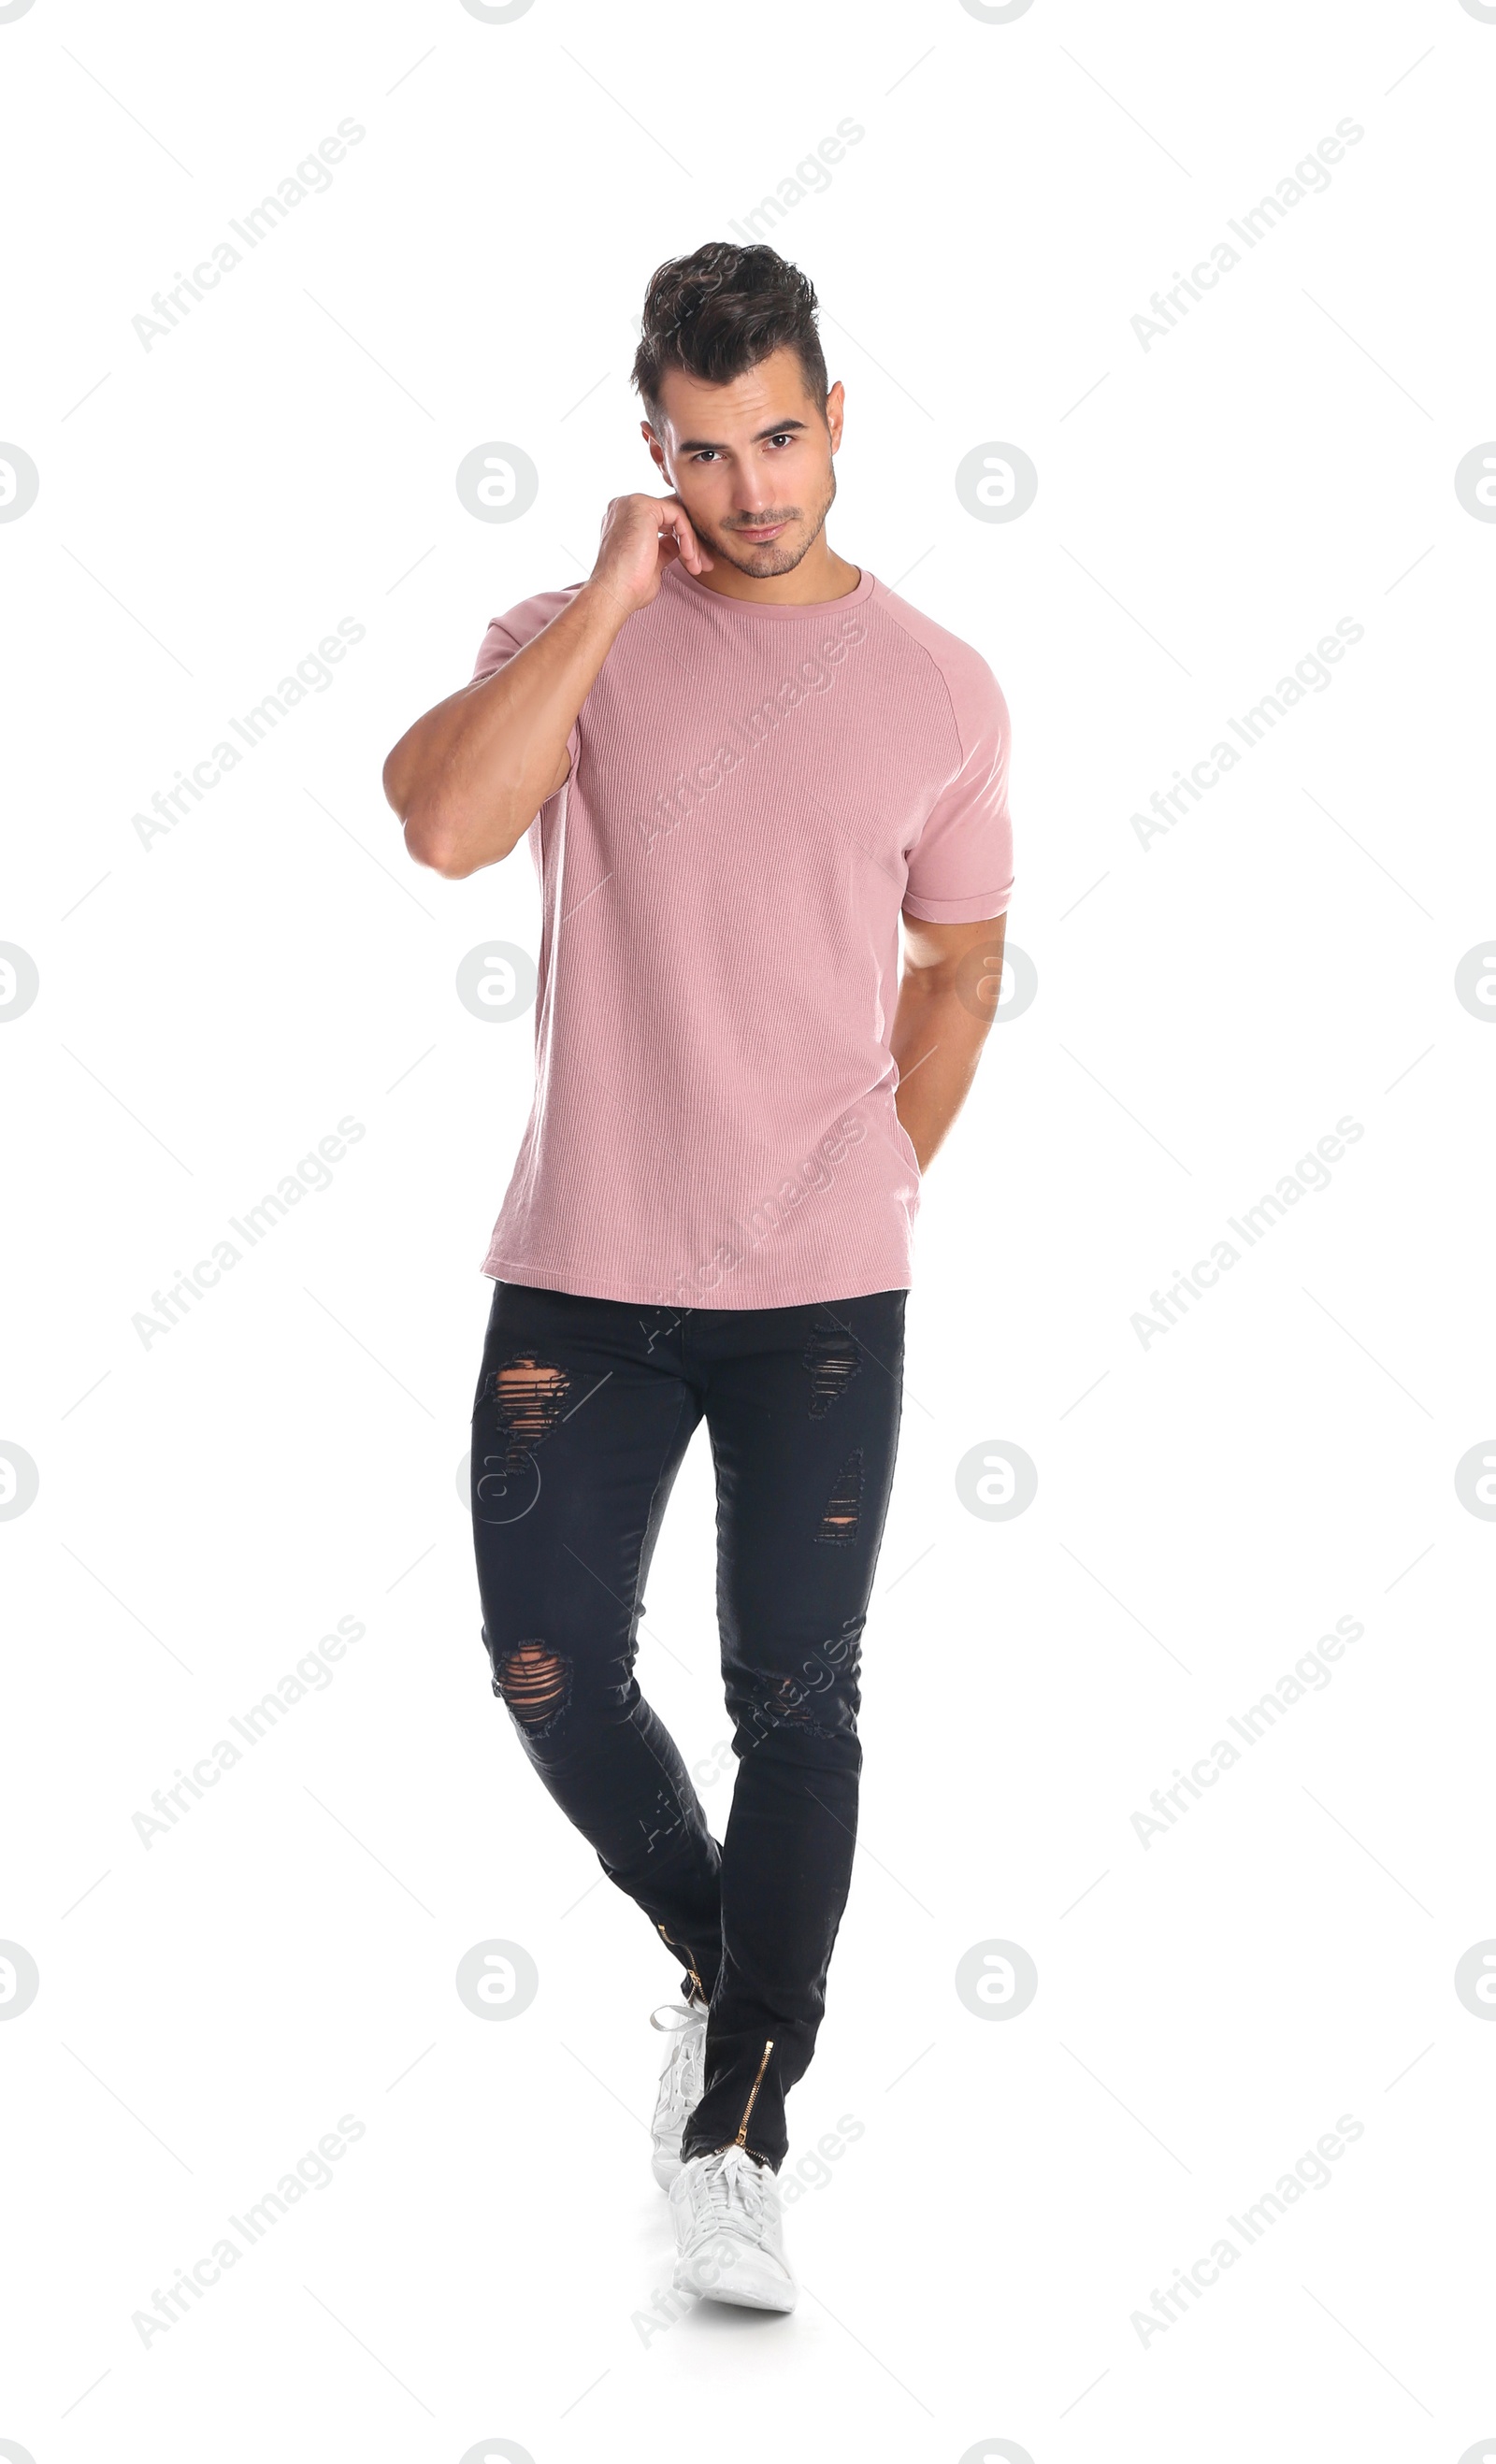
<point x="737" y="759"/>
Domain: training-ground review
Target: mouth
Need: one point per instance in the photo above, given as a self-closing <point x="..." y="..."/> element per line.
<point x="764" y="532"/>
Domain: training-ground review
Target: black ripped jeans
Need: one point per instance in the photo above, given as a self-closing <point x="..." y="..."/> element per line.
<point x="582" y="1413"/>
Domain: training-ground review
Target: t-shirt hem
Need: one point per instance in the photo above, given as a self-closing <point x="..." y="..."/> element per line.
<point x="587" y="1283"/>
<point x="984" y="906"/>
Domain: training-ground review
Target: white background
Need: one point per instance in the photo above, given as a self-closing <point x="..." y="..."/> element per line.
<point x="1208" y="1007"/>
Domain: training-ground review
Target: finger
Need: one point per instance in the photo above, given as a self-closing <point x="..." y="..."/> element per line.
<point x="691" y="552"/>
<point x="676" y="546"/>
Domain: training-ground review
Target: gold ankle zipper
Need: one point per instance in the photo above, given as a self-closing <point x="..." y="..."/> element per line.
<point x="741" y="2138"/>
<point x="701" y="1990"/>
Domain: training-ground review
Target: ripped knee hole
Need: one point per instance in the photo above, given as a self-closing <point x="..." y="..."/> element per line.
<point x="527" y="1396"/>
<point x="535" y="1682"/>
<point x="833" y="1360"/>
<point x="842" y="1514"/>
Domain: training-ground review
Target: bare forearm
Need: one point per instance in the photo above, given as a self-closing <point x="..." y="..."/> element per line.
<point x="937" y="1044"/>
<point x="469" y="777"/>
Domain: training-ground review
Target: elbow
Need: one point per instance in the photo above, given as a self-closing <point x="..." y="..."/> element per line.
<point x="452" y="840"/>
<point x="431" y="840"/>
<point x="396" y="777"/>
<point x="444" y="829"/>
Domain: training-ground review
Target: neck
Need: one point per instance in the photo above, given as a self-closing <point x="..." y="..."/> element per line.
<point x="821" y="574"/>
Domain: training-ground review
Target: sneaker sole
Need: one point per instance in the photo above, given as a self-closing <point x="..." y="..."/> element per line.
<point x="780" y="2300"/>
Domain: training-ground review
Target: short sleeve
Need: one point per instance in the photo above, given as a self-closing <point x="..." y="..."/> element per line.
<point x="509" y="634"/>
<point x="960" y="866"/>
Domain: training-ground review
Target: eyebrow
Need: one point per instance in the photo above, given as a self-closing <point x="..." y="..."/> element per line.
<point x="775" y="428"/>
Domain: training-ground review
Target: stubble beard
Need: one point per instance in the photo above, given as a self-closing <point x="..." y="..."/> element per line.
<point x="774" y="555"/>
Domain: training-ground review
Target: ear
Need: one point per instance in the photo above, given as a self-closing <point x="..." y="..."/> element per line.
<point x="835" y="408"/>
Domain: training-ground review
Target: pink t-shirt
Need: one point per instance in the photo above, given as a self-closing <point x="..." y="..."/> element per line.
<point x="754" y="793"/>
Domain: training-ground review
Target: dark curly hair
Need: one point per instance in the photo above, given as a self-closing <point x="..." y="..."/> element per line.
<point x="718" y="312"/>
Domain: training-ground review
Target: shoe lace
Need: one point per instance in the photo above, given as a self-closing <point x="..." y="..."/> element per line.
<point x="673" y="2018"/>
<point x="732" y="2191"/>
<point x="677" y="2020"/>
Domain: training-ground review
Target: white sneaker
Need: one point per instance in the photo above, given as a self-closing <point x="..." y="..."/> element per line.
<point x="681" y="2081"/>
<point x="730" y="2232"/>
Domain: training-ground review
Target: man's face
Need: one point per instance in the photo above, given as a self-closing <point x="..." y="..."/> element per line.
<point x="751" y="461"/>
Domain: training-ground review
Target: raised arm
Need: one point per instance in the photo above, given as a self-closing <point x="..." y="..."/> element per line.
<point x="469" y="777"/>
<point x="947" y="1000"/>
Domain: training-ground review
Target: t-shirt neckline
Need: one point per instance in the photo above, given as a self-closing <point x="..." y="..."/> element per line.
<point x="818" y="608"/>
